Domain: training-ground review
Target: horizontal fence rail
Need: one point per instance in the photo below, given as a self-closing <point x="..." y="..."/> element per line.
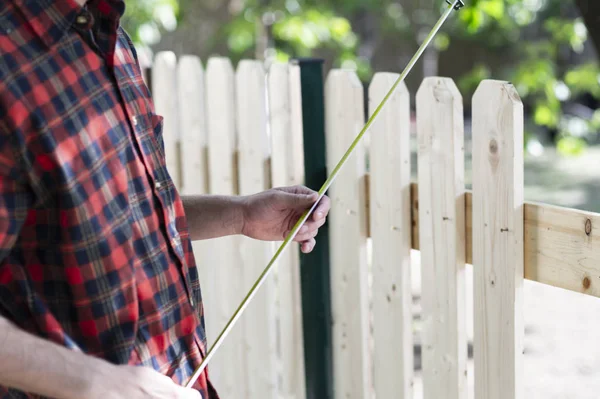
<point x="560" y="247"/>
<point x="238" y="130"/>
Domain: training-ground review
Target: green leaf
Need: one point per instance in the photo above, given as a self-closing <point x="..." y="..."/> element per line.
<point x="493" y="8"/>
<point x="545" y="116"/>
<point x="442" y="41"/>
<point x="571" y="146"/>
<point x="584" y="79"/>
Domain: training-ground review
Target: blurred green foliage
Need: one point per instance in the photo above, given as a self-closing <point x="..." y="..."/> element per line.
<point x="145" y="20"/>
<point x="542" y="72"/>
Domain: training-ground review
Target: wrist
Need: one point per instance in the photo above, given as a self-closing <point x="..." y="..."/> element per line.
<point x="241" y="215"/>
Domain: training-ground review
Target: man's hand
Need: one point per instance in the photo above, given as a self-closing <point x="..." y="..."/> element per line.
<point x="272" y="214"/>
<point x="34" y="365"/>
<point x="133" y="382"/>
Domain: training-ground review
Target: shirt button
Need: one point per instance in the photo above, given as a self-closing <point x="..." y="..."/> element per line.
<point x="135" y="121"/>
<point x="158" y="185"/>
<point x="81" y="19"/>
<point x="192" y="301"/>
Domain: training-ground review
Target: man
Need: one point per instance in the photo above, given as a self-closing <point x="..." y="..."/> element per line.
<point x="99" y="290"/>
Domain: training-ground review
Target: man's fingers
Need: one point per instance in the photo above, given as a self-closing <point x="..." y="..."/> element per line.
<point x="306" y="236"/>
<point x="308" y="230"/>
<point x="308" y="246"/>
<point x="322" y="209"/>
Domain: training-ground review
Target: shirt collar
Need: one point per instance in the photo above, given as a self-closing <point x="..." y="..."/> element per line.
<point x="51" y="19"/>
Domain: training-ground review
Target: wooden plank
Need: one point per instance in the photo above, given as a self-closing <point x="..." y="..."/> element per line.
<point x="562" y="248"/>
<point x="192" y="119"/>
<point x="440" y="131"/>
<point x="194" y="161"/>
<point x="389" y="198"/>
<point x="287" y="165"/>
<point x="228" y="367"/>
<point x="558" y="250"/>
<point x="498" y="241"/>
<point x="259" y="322"/>
<point x="347" y="224"/>
<point x="164" y="94"/>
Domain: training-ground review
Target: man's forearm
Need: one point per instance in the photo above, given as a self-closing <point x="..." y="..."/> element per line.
<point x="35" y="365"/>
<point x="212" y="216"/>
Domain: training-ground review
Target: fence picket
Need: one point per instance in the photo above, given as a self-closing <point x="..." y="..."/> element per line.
<point x="194" y="167"/>
<point x="344" y="118"/>
<point x="260" y="340"/>
<point x="228" y="366"/>
<point x="498" y="241"/>
<point x="286" y="170"/>
<point x="389" y="190"/>
<point x="164" y="93"/>
<point x="192" y="122"/>
<point x="440" y="130"/>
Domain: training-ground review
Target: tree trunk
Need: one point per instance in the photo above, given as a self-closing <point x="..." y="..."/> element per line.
<point x="590" y="11"/>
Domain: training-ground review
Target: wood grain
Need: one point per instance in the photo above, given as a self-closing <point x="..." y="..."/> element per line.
<point x="165" y="95"/>
<point x="259" y="321"/>
<point x="440" y="133"/>
<point x="498" y="241"/>
<point x="348" y="238"/>
<point x="558" y="250"/>
<point x="224" y="257"/>
<point x="287" y="161"/>
<point x="389" y="199"/>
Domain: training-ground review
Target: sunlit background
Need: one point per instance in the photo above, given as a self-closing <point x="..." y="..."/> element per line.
<point x="547" y="48"/>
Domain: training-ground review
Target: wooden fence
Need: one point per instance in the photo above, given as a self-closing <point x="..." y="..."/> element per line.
<point x="239" y="131"/>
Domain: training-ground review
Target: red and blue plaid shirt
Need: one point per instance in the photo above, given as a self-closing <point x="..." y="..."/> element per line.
<point x="95" y="254"/>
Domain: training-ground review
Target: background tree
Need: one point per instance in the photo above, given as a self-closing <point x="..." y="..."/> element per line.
<point x="542" y="46"/>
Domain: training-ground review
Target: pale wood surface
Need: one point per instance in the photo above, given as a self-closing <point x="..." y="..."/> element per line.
<point x="164" y="89"/>
<point x="558" y="252"/>
<point x="562" y="248"/>
<point x="389" y="199"/>
<point x="228" y="367"/>
<point x="258" y="322"/>
<point x="440" y="132"/>
<point x="287" y="162"/>
<point x="192" y="122"/>
<point x="347" y="229"/>
<point x="193" y="159"/>
<point x="498" y="241"/>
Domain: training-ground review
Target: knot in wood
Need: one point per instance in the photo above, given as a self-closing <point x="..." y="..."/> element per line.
<point x="586" y="283"/>
<point x="588" y="227"/>
<point x="493" y="146"/>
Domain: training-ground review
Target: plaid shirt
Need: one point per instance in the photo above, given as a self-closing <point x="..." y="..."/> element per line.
<point x="95" y="254"/>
